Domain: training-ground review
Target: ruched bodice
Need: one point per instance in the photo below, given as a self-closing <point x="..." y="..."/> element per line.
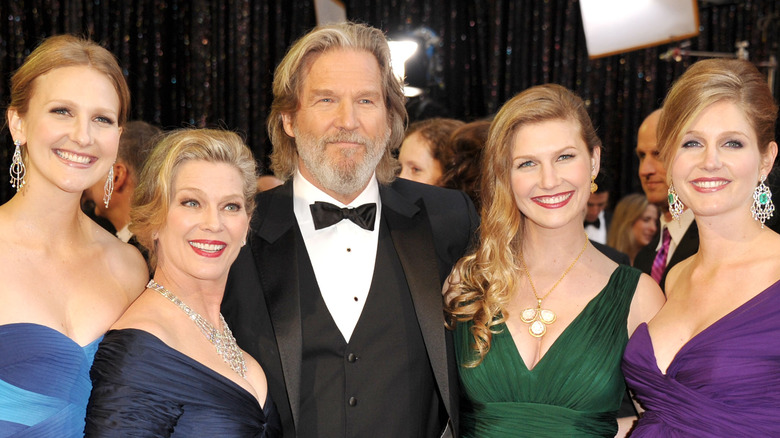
<point x="574" y="390"/>
<point x="44" y="382"/>
<point x="724" y="382"/>
<point x="142" y="387"/>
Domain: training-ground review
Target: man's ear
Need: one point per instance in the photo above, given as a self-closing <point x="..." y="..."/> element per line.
<point x="121" y="177"/>
<point x="287" y="122"/>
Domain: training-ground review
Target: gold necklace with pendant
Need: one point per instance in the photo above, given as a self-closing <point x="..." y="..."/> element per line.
<point x="540" y="318"/>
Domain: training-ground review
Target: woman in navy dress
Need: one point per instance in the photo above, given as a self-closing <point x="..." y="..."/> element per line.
<point x="170" y="366"/>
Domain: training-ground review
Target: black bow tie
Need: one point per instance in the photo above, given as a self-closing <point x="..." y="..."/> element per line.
<point x="596" y="223"/>
<point x="326" y="214"/>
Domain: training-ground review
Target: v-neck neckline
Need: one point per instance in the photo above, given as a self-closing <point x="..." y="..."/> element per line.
<point x="565" y="331"/>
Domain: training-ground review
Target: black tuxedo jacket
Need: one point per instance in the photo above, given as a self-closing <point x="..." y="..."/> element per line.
<point x="616" y="256"/>
<point x="688" y="246"/>
<point x="431" y="229"/>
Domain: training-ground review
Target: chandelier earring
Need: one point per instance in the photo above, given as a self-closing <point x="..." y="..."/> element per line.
<point x="763" y="207"/>
<point x="108" y="188"/>
<point x="17" y="167"/>
<point x="676" y="206"/>
<point x="593" y="185"/>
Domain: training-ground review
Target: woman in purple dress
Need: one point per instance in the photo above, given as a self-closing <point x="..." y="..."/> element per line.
<point x="709" y="363"/>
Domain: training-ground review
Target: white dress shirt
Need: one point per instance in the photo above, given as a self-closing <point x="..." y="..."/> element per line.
<point x="124" y="234"/>
<point x="677" y="230"/>
<point x="342" y="255"/>
<point x="598" y="234"/>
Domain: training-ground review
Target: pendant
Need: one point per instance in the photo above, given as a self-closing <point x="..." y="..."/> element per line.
<point x="538" y="318"/>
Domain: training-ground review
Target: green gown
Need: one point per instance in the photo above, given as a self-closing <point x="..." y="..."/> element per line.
<point x="574" y="390"/>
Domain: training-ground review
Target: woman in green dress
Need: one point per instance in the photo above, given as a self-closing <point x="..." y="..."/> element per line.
<point x="541" y="317"/>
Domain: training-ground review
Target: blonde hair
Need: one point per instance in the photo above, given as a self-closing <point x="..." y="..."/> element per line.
<point x="710" y="81"/>
<point x="486" y="277"/>
<point x="627" y="212"/>
<point x="288" y="84"/>
<point x="153" y="194"/>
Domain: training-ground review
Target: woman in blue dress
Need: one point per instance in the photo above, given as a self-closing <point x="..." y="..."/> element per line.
<point x="65" y="279"/>
<point x="171" y="367"/>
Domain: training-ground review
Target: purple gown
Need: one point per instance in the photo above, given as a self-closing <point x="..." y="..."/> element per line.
<point x="723" y="382"/>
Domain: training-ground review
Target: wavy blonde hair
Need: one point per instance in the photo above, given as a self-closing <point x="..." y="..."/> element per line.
<point x="485" y="279"/>
<point x="620" y="235"/>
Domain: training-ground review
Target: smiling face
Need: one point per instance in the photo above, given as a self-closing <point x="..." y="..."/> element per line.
<point x="551" y="172"/>
<point x="206" y="223"/>
<point x="417" y="163"/>
<point x="717" y="164"/>
<point x="70" y="130"/>
<point x="645" y="226"/>
<point x="341" y="127"/>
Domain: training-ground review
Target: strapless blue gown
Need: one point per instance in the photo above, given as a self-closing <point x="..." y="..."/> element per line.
<point x="44" y="382"/>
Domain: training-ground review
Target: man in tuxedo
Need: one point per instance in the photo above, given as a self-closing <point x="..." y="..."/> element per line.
<point x="675" y="240"/>
<point x="338" y="292"/>
<point x="597" y="218"/>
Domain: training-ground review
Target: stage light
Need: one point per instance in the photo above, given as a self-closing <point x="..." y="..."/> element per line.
<point x="400" y="51"/>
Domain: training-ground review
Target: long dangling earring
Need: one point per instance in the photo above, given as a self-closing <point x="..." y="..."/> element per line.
<point x="676" y="206"/>
<point x="762" y="207"/>
<point x="17" y="167"/>
<point x="108" y="188"/>
<point x="593" y="185"/>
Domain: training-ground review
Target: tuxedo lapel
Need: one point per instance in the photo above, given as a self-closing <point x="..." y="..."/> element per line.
<point x="413" y="240"/>
<point x="277" y="262"/>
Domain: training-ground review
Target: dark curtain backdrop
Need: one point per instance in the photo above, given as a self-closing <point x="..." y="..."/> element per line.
<point x="210" y="63"/>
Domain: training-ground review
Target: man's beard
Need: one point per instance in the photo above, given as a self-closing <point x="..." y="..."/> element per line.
<point x="349" y="171"/>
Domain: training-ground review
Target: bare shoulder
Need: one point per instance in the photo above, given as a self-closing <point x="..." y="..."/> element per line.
<point x="648" y="300"/>
<point x="147" y="314"/>
<point x="126" y="264"/>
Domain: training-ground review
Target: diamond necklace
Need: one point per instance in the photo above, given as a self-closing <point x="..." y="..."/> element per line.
<point x="539" y="318"/>
<point x="224" y="342"/>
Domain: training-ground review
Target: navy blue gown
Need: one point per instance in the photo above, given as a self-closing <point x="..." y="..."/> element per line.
<point x="142" y="387"/>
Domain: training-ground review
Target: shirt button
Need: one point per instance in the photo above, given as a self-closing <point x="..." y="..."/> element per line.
<point x="352" y="358"/>
<point x="352" y="401"/>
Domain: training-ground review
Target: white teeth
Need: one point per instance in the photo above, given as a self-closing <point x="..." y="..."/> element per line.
<point x="73" y="157"/>
<point x="207" y="246"/>
<point x="710" y="184"/>
<point x="554" y="199"/>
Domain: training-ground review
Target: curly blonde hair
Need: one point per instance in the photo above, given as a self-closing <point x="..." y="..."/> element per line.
<point x="484" y="281"/>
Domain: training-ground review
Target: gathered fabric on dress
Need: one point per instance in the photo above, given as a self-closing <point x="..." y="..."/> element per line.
<point x="44" y="382"/>
<point x="574" y="390"/>
<point x="143" y="387"/>
<point x="725" y="381"/>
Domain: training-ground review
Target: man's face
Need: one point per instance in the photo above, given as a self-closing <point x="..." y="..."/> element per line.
<point x="652" y="173"/>
<point x="596" y="204"/>
<point x="341" y="128"/>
